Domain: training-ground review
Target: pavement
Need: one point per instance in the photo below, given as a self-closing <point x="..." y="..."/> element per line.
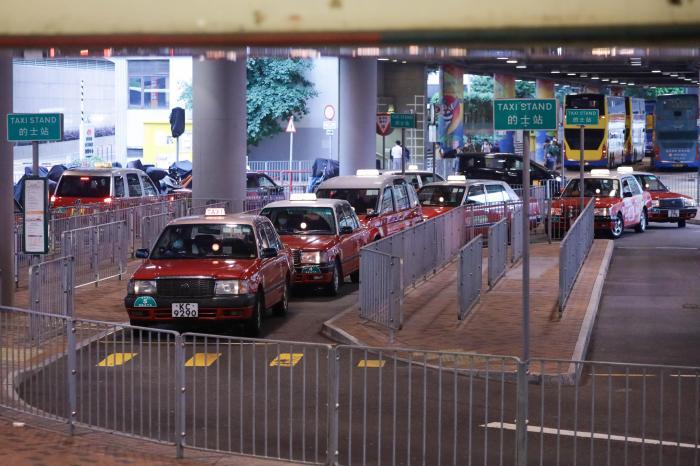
<point x="494" y="325"/>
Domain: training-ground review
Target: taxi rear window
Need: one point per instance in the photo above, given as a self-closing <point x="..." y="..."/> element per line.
<point x="593" y="187"/>
<point x="83" y="186"/>
<point x="301" y="220"/>
<point x="359" y="199"/>
<point x="441" y="195"/>
<point x="225" y="241"/>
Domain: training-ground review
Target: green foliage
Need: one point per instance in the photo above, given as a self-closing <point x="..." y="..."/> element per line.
<point x="525" y="89"/>
<point x="647" y="93"/>
<point x="478" y="98"/>
<point x="277" y="89"/>
<point x="185" y="89"/>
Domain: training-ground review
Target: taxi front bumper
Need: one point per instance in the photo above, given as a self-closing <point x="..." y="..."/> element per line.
<point x="669" y="215"/>
<point x="313" y="274"/>
<point x="216" y="308"/>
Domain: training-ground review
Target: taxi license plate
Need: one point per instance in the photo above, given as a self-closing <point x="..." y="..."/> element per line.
<point x="185" y="310"/>
<point x="311" y="269"/>
<point x="675" y="165"/>
<point x="673" y="213"/>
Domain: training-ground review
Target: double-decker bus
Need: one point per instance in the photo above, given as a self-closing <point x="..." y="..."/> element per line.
<point x="649" y="107"/>
<point x="635" y="125"/>
<point x="604" y="143"/>
<point x="676" y="132"/>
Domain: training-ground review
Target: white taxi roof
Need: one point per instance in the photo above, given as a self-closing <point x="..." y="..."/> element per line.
<point x="603" y="173"/>
<point x="332" y="203"/>
<point x="465" y="182"/>
<point x="359" y="182"/>
<point x="239" y="219"/>
<point x="100" y="171"/>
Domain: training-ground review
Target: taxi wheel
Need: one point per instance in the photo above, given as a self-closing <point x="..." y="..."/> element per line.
<point x="355" y="276"/>
<point x="254" y="324"/>
<point x="282" y="307"/>
<point x="618" y="227"/>
<point x="681" y="223"/>
<point x="642" y="225"/>
<point x="333" y="287"/>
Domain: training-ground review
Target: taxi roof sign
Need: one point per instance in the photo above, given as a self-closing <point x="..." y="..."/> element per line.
<point x="302" y="197"/>
<point x="216" y="211"/>
<point x="456" y="178"/>
<point x="600" y="172"/>
<point x="367" y="172"/>
<point x="413" y="167"/>
<point x="625" y="169"/>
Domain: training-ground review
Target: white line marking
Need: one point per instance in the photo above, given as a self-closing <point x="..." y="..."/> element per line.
<point x="690" y="376"/>
<point x="679" y="248"/>
<point x="595" y="435"/>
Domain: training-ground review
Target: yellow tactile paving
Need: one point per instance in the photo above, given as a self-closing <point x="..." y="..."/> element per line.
<point x="286" y="360"/>
<point x="371" y="363"/>
<point x="202" y="359"/>
<point x="116" y="359"/>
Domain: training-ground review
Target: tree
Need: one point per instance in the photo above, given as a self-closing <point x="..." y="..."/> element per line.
<point x="524" y="89"/>
<point x="277" y="89"/>
<point x="648" y="93"/>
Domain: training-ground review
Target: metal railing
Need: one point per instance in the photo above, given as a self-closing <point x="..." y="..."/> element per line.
<point x="687" y="184"/>
<point x="381" y="288"/>
<point x="573" y="251"/>
<point x="151" y="227"/>
<point x="469" y="278"/>
<point x="498" y="251"/>
<point x="100" y="251"/>
<point x="51" y="285"/>
<point x="516" y="235"/>
<point x="351" y="405"/>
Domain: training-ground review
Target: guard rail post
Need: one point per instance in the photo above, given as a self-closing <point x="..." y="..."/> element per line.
<point x="120" y="251"/>
<point x="333" y="406"/>
<point x="72" y="369"/>
<point x="180" y="396"/>
<point x="697" y="186"/>
<point x="521" y="421"/>
<point x="68" y="285"/>
<point x="94" y="258"/>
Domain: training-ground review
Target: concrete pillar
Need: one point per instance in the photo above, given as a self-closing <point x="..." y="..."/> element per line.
<point x="121" y="106"/>
<point x="544" y="90"/>
<point x="219" y="130"/>
<point x="7" y="218"/>
<point x="504" y="88"/>
<point x="357" y="114"/>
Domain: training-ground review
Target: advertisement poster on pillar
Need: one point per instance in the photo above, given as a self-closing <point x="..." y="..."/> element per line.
<point x="451" y="120"/>
<point x="87" y="141"/>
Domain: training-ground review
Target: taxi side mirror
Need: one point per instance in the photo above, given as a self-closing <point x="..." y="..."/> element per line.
<point x="345" y="230"/>
<point x="371" y="213"/>
<point x="268" y="253"/>
<point x="141" y="254"/>
<point x="627" y="194"/>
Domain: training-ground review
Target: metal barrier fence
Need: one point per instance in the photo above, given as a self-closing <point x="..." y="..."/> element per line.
<point x="683" y="183"/>
<point x="100" y="251"/>
<point x="573" y="251"/>
<point x="516" y="235"/>
<point x="349" y="405"/>
<point x="498" y="251"/>
<point x="381" y="288"/>
<point x="151" y="226"/>
<point x="51" y="285"/>
<point x="469" y="279"/>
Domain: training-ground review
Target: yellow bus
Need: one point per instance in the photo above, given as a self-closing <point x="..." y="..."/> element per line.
<point x="635" y="126"/>
<point x="604" y="143"/>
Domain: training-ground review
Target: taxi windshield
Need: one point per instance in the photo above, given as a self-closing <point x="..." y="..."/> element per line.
<point x="650" y="183"/>
<point x="83" y="186"/>
<point x="441" y="195"/>
<point x="199" y="241"/>
<point x="359" y="199"/>
<point x="593" y="187"/>
<point x="301" y="220"/>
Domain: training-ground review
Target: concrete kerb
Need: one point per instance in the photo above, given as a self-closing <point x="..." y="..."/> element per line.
<point x="573" y="373"/>
<point x="694" y="221"/>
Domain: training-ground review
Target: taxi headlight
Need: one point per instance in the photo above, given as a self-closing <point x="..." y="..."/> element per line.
<point x="555" y="211"/>
<point x="142" y="287"/>
<point x="689" y="202"/>
<point x="230" y="287"/>
<point x="601" y="211"/>
<point x="655" y="203"/>
<point x="313" y="257"/>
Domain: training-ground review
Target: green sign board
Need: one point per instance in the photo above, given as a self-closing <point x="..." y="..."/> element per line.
<point x="403" y="120"/>
<point x="582" y="116"/>
<point x="34" y="127"/>
<point x="524" y="114"/>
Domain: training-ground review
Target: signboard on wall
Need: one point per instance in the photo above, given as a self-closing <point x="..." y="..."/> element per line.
<point x="159" y="143"/>
<point x="35" y="228"/>
<point x="87" y="141"/>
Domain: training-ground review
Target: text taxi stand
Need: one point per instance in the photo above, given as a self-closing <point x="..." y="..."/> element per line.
<point x="35" y="128"/>
<point x="526" y="115"/>
<point x="582" y="117"/>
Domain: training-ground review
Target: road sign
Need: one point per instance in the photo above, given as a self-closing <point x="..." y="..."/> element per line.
<point x="582" y="116"/>
<point x="403" y="120"/>
<point x="384" y="124"/>
<point x="328" y="112"/>
<point x="34" y="127"/>
<point x="330" y="132"/>
<point x="290" y="126"/>
<point x="330" y="124"/>
<point x="35" y="216"/>
<point x="524" y="114"/>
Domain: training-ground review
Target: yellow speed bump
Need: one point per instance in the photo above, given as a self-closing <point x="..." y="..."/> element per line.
<point x="286" y="360"/>
<point x="116" y="359"/>
<point x="373" y="363"/>
<point x="202" y="359"/>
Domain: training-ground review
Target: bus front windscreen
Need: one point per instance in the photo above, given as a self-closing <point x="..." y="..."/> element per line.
<point x="581" y="101"/>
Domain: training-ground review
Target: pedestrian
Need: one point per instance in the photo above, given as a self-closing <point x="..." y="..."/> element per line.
<point x="396" y="155"/>
<point x="554" y="151"/>
<point x="469" y="147"/>
<point x="547" y="155"/>
<point x="486" y="146"/>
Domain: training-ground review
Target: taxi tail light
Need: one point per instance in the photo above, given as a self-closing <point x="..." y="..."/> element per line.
<point x="52" y="198"/>
<point x="107" y="200"/>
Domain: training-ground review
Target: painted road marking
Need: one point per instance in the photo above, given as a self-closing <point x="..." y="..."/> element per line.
<point x="202" y="359"/>
<point x="116" y="359"/>
<point x="373" y="363"/>
<point x="670" y="248"/>
<point x="644" y="375"/>
<point x="286" y="360"/>
<point x="595" y="435"/>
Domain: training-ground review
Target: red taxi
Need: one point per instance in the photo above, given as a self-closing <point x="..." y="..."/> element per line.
<point x="620" y="203"/>
<point x="385" y="204"/>
<point x="212" y="268"/>
<point x="666" y="206"/>
<point x="101" y="185"/>
<point x="325" y="237"/>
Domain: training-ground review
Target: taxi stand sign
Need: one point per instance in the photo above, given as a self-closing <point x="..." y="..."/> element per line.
<point x="31" y="127"/>
<point x="582" y="116"/>
<point x="524" y="114"/>
<point x="35" y="230"/>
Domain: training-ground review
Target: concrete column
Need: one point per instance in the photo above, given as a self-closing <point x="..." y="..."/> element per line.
<point x="544" y="90"/>
<point x="357" y="114"/>
<point x="6" y="183"/>
<point x="504" y="88"/>
<point x="121" y="106"/>
<point x="219" y="129"/>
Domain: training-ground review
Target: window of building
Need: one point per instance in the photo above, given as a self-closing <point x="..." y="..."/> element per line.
<point x="148" y="84"/>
